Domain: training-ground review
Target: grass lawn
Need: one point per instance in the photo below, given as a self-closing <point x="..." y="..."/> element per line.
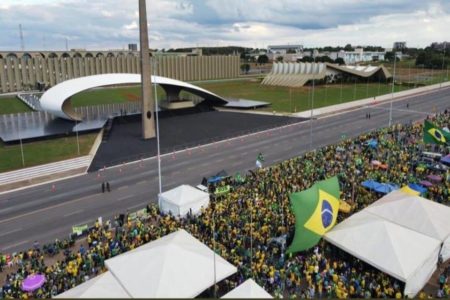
<point x="11" y="105"/>
<point x="42" y="152"/>
<point x="107" y="96"/>
<point x="285" y="99"/>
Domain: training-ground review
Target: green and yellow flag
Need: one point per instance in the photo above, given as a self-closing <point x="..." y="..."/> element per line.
<point x="434" y="135"/>
<point x="315" y="211"/>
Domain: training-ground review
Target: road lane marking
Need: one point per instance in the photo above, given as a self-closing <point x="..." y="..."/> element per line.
<point x="74" y="213"/>
<point x="14" y="245"/>
<point x="122" y="187"/>
<point x="126" y="197"/>
<point x="45" y="208"/>
<point x="141" y="182"/>
<point x="11" y="231"/>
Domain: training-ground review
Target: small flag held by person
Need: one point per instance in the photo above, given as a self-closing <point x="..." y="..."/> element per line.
<point x="316" y="210"/>
<point x="434" y="135"/>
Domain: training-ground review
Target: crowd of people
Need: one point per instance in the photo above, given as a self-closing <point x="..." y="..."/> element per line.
<point x="252" y="225"/>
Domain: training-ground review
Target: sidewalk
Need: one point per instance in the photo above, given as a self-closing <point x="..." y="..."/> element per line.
<point x="369" y="101"/>
<point x="43" y="173"/>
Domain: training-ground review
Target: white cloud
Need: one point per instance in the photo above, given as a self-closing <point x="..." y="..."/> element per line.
<point x="133" y="25"/>
<point x="188" y="23"/>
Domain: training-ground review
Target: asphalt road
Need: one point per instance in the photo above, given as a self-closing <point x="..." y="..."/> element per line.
<point x="38" y="213"/>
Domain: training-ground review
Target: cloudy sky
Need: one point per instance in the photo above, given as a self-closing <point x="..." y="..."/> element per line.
<point x="112" y="24"/>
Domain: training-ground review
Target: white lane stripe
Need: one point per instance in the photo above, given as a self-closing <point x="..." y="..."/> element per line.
<point x="11" y="231"/>
<point x="74" y="213"/>
<point x="126" y="197"/>
<point x="14" y="245"/>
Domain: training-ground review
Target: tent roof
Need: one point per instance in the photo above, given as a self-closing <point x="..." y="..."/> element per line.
<point x="391" y="248"/>
<point x="183" y="194"/>
<point x="102" y="286"/>
<point x="415" y="213"/>
<point x="248" y="290"/>
<point x="176" y="266"/>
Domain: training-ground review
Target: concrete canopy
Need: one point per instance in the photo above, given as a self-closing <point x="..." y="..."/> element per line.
<point x="57" y="100"/>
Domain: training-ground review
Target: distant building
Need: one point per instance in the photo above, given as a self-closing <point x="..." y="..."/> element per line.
<point x="399" y="45"/>
<point x="299" y="74"/>
<point x="132" y="47"/>
<point x="359" y="55"/>
<point x="284" y="49"/>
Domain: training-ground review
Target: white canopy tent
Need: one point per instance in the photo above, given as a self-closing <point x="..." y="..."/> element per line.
<point x="248" y="290"/>
<point x="404" y="254"/>
<point x="175" y="266"/>
<point x="180" y="200"/>
<point x="102" y="286"/>
<point x="418" y="214"/>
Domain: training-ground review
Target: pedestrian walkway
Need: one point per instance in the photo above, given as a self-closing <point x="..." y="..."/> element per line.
<point x="332" y="109"/>
<point x="47" y="172"/>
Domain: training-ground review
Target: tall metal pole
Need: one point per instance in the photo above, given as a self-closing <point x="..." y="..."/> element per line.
<point x="392" y="93"/>
<point x="20" y="139"/>
<point x="78" y="141"/>
<point x="312" y="107"/>
<point x="157" y="129"/>
<point x="290" y="97"/>
<point x="251" y="239"/>
<point x="148" y="125"/>
<point x="443" y="59"/>
<point x="214" y="251"/>
<point x="340" y="98"/>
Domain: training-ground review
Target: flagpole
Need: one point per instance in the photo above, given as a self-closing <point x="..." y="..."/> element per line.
<point x="443" y="59"/>
<point x="78" y="141"/>
<point x="251" y="238"/>
<point x="392" y="93"/>
<point x="214" y="251"/>
<point x="157" y="128"/>
<point x="20" y="139"/>
<point x="312" y="107"/>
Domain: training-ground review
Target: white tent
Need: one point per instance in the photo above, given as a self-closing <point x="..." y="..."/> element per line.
<point x="404" y="254"/>
<point x="102" y="286"/>
<point x="175" y="266"/>
<point x="418" y="214"/>
<point x="180" y="200"/>
<point x="248" y="290"/>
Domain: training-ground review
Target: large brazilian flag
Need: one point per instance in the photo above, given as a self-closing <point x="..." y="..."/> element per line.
<point x="434" y="135"/>
<point x="315" y="211"/>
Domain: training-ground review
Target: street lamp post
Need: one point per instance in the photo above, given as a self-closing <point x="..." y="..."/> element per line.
<point x="157" y="128"/>
<point x="312" y="107"/>
<point x="20" y="139"/>
<point x="392" y="93"/>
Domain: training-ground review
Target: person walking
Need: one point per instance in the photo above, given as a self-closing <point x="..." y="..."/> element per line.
<point x="103" y="187"/>
<point x="108" y="187"/>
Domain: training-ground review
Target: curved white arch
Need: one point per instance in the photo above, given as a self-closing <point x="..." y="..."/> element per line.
<point x="56" y="100"/>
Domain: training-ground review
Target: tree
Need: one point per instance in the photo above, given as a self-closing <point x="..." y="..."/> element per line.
<point x="389" y="56"/>
<point x="305" y="59"/>
<point x="263" y="59"/>
<point x="348" y="47"/>
<point x="324" y="59"/>
<point x="339" y="61"/>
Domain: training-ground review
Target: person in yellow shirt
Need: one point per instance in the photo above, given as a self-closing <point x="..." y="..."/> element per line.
<point x="398" y="295"/>
<point x="422" y="295"/>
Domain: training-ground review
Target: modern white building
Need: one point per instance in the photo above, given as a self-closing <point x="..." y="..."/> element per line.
<point x="359" y="55"/>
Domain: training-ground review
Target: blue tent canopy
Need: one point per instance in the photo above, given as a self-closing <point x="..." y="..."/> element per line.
<point x="386" y="188"/>
<point x="446" y="160"/>
<point x="370" y="184"/>
<point x="417" y="187"/>
<point x="372" y="143"/>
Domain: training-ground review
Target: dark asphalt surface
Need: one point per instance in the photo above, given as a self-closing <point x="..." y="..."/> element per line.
<point x="186" y="129"/>
<point x="37" y="213"/>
